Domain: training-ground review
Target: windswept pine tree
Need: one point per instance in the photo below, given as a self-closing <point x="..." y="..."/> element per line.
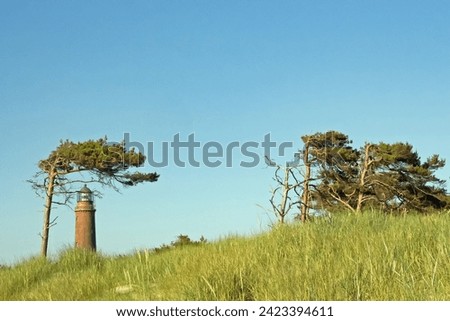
<point x="390" y="177"/>
<point x="405" y="181"/>
<point x="331" y="170"/>
<point x="107" y="164"/>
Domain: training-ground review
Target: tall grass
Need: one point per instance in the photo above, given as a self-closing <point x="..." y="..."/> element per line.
<point x="370" y="257"/>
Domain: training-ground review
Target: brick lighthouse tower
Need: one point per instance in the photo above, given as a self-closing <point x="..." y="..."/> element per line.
<point x="85" y="220"/>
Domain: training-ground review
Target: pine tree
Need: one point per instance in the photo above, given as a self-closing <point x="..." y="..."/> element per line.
<point x="385" y="176"/>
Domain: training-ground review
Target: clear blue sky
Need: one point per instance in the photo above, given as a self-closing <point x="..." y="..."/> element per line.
<point x="224" y="70"/>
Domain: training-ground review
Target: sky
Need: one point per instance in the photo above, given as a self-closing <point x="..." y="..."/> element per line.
<point x="226" y="72"/>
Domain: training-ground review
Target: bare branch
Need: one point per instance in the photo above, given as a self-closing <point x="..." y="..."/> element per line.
<point x="53" y="222"/>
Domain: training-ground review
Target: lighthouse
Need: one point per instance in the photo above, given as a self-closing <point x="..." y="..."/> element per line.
<point x="85" y="220"/>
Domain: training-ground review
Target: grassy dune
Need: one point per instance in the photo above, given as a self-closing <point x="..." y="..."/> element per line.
<point x="371" y="257"/>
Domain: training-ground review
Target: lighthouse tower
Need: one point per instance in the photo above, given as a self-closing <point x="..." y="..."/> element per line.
<point x="85" y="220"/>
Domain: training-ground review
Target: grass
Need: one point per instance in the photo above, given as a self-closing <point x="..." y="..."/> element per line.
<point x="370" y="257"/>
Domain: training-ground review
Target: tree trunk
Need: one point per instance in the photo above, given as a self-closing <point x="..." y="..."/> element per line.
<point x="305" y="195"/>
<point x="362" y="179"/>
<point x="47" y="210"/>
<point x="284" y="197"/>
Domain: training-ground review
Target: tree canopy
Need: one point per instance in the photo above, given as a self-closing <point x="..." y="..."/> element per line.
<point x="109" y="162"/>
